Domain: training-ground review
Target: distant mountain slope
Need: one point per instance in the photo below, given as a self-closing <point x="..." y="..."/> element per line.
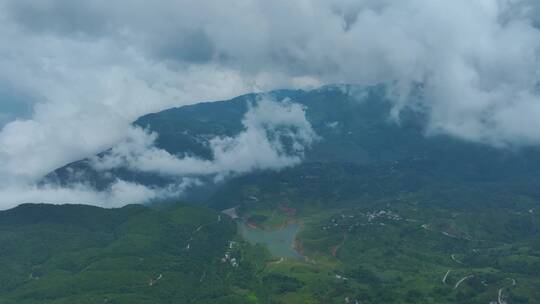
<point x="354" y="127"/>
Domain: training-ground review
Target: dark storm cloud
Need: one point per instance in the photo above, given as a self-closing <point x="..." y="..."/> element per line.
<point x="194" y="46"/>
<point x="59" y="16"/>
<point x="14" y="104"/>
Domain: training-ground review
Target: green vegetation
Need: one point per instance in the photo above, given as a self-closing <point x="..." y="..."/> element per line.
<point x="413" y="247"/>
<point x="403" y="250"/>
<point x="81" y="254"/>
<point x="386" y="215"/>
<point x="424" y="246"/>
<point x="397" y="244"/>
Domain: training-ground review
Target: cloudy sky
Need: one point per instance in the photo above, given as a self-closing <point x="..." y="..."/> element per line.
<point x="74" y="73"/>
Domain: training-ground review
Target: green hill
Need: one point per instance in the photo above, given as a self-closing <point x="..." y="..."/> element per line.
<point x="385" y="213"/>
<point x="82" y="254"/>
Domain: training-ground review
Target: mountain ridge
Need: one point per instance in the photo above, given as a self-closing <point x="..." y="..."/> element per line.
<point x="353" y="124"/>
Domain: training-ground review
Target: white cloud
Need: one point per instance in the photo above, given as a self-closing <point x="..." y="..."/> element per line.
<point x="259" y="146"/>
<point x="89" y="68"/>
<point x="81" y="115"/>
<point x="118" y="194"/>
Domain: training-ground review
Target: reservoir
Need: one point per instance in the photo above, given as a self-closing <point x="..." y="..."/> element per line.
<point x="278" y="241"/>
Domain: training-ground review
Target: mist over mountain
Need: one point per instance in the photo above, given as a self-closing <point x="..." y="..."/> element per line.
<point x="477" y="65"/>
<point x="251" y="151"/>
<point x="291" y="192"/>
<point x="179" y="150"/>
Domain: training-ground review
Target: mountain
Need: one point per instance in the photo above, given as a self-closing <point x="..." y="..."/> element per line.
<point x="376" y="212"/>
<point x="355" y="129"/>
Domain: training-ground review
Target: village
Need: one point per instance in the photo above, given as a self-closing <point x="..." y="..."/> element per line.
<point x="350" y="221"/>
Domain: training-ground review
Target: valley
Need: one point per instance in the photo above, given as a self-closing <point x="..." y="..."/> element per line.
<point x="375" y="212"/>
<point x="366" y="254"/>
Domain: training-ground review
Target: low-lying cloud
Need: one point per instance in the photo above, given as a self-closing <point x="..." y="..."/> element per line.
<point x="117" y="194"/>
<point x="261" y="145"/>
<point x="276" y="135"/>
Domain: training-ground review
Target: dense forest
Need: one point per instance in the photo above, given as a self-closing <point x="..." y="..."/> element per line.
<point x="378" y="211"/>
